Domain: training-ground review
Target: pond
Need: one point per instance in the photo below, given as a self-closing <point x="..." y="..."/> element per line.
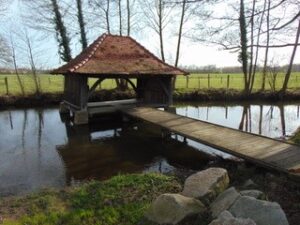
<point x="38" y="150"/>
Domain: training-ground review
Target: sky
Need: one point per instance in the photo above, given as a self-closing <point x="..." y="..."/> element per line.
<point x="192" y="53"/>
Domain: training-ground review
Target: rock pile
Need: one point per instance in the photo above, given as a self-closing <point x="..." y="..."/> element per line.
<point x="207" y="192"/>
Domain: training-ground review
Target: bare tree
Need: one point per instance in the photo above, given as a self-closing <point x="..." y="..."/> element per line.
<point x="14" y="60"/>
<point x="157" y="16"/>
<point x="183" y="12"/>
<point x="120" y="16"/>
<point x="273" y="70"/>
<point x="51" y="18"/>
<point x="5" y="54"/>
<point x="128" y="17"/>
<point x="104" y="11"/>
<point x="31" y="60"/>
<point x="289" y="70"/>
<point x="264" y="72"/>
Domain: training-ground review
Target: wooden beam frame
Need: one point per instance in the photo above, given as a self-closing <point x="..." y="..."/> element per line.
<point x="93" y="88"/>
<point x="131" y="83"/>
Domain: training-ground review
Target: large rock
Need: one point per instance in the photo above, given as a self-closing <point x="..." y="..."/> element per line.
<point x="173" y="208"/>
<point x="224" y="201"/>
<point x="226" y="218"/>
<point x="254" y="193"/>
<point x="207" y="184"/>
<point x="262" y="212"/>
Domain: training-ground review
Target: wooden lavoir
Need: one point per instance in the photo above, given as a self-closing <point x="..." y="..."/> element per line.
<point x="119" y="58"/>
<point x="261" y="150"/>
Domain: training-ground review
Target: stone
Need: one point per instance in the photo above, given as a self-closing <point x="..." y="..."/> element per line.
<point x="81" y="117"/>
<point x="226" y="218"/>
<point x="173" y="208"/>
<point x="224" y="201"/>
<point x="207" y="184"/>
<point x="254" y="193"/>
<point x="249" y="184"/>
<point x="261" y="212"/>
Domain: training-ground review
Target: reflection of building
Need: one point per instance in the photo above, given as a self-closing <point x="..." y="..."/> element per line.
<point x="101" y="151"/>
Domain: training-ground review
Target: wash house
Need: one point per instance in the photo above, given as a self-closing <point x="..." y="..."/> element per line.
<point x="115" y="57"/>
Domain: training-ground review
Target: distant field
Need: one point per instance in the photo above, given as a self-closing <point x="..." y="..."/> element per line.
<point x="54" y="84"/>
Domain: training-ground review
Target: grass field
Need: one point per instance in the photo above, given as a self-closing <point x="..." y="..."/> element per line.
<point x="54" y="84"/>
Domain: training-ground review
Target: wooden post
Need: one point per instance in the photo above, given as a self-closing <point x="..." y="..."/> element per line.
<point x="228" y="80"/>
<point x="208" y="80"/>
<point x="49" y="80"/>
<point x="6" y="85"/>
<point x="221" y="80"/>
<point x="198" y="82"/>
<point x="187" y="82"/>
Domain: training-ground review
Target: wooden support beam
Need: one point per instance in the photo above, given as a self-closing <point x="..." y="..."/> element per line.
<point x="95" y="85"/>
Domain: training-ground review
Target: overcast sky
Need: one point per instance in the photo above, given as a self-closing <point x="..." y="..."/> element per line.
<point x="192" y="53"/>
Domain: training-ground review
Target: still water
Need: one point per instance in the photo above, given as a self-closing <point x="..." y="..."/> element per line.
<point x="38" y="150"/>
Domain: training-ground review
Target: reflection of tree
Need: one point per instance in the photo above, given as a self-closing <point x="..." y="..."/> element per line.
<point x="10" y="120"/>
<point x="261" y="109"/>
<point x="245" y="123"/>
<point x="40" y="129"/>
<point x="24" y="128"/>
<point x="282" y="119"/>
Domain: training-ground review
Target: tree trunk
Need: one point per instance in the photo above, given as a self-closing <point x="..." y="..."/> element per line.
<point x="179" y="39"/>
<point x="257" y="49"/>
<point x="160" y="9"/>
<point x="32" y="64"/>
<point x="263" y="85"/>
<point x="289" y="70"/>
<point x="81" y="24"/>
<point x="62" y="36"/>
<point x="120" y="17"/>
<point x="243" y="54"/>
<point x="128" y="18"/>
<point x="16" y="67"/>
<point x="107" y="16"/>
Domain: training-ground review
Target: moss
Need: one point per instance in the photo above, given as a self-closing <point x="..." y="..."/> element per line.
<point x="121" y="200"/>
<point x="296" y="137"/>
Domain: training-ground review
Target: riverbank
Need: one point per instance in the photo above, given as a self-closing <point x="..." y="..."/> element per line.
<point x="123" y="199"/>
<point x="203" y="95"/>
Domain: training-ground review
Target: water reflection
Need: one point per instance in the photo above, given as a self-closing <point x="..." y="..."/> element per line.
<point x="99" y="152"/>
<point x="40" y="151"/>
<point x="276" y="121"/>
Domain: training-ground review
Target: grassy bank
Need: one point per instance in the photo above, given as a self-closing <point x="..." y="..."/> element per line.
<point x="54" y="84"/>
<point x="124" y="199"/>
<point x="204" y="95"/>
<point x="121" y="200"/>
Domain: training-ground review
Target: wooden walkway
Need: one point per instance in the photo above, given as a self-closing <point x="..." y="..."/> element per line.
<point x="260" y="150"/>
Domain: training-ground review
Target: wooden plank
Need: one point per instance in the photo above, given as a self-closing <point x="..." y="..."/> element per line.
<point x="261" y="150"/>
<point x="178" y="121"/>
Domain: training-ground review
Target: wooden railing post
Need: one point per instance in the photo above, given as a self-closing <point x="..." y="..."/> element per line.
<point x="187" y="82"/>
<point x="228" y="81"/>
<point x="208" y="80"/>
<point x="6" y="85"/>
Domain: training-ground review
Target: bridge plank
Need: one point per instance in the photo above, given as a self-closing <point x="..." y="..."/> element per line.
<point x="258" y="149"/>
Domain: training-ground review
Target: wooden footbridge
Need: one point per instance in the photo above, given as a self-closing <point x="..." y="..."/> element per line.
<point x="258" y="149"/>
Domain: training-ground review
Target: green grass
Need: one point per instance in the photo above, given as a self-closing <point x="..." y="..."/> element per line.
<point x="121" y="200"/>
<point x="296" y="137"/>
<point x="236" y="81"/>
<point x="54" y="84"/>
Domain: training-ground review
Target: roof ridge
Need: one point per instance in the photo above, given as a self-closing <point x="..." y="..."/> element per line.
<point x="95" y="45"/>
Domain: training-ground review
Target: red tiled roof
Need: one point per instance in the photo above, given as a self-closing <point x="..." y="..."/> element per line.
<point x="117" y="55"/>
